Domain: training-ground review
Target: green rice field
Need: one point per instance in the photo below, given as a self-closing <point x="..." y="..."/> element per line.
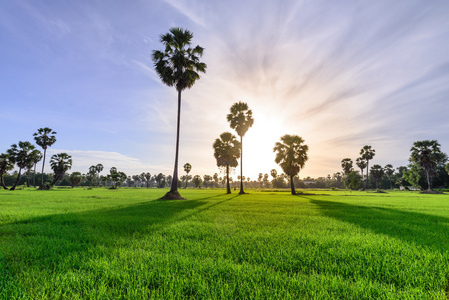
<point x="126" y="244"/>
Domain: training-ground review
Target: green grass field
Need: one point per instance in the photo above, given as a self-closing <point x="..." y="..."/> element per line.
<point x="126" y="244"/>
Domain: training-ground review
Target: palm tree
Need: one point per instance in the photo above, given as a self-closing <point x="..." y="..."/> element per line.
<point x="148" y="177"/>
<point x="389" y="171"/>
<point x="187" y="169"/>
<point x="98" y="169"/>
<point x="35" y="157"/>
<point x="22" y="156"/>
<point x="5" y="165"/>
<point x="60" y="163"/>
<point x="427" y="155"/>
<point x="178" y="65"/>
<point x="226" y="152"/>
<point x="367" y="154"/>
<point x="291" y="156"/>
<point x="346" y="164"/>
<point x="377" y="172"/>
<point x="45" y="138"/>
<point x="38" y="159"/>
<point x="361" y="163"/>
<point x="240" y="119"/>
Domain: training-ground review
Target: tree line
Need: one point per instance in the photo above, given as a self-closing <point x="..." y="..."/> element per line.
<point x="427" y="168"/>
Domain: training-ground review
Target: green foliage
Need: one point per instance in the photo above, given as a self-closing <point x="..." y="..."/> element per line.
<point x="354" y="180"/>
<point x="60" y="163"/>
<point x="125" y="244"/>
<point x="428" y="156"/>
<point x="377" y="172"/>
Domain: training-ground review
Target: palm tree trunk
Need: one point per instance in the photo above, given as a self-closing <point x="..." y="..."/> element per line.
<point x="241" y="166"/>
<point x="367" y="174"/>
<point x="429" y="184"/>
<point x="228" y="187"/>
<point x="292" y="185"/>
<point x="17" y="180"/>
<point x="34" y="176"/>
<point x="3" y="182"/>
<point x="174" y="183"/>
<point x="42" y="175"/>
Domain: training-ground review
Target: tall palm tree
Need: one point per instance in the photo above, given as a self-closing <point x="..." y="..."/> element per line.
<point x="22" y="156"/>
<point x="45" y="138"/>
<point x="6" y="164"/>
<point x="187" y="169"/>
<point x="60" y="163"/>
<point x="367" y="153"/>
<point x="240" y="119"/>
<point x="179" y="66"/>
<point x="226" y="152"/>
<point x="291" y="156"/>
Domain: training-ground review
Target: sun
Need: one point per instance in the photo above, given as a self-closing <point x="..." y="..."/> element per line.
<point x="258" y="143"/>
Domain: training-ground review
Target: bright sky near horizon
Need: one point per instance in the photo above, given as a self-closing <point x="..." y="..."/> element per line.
<point x="340" y="74"/>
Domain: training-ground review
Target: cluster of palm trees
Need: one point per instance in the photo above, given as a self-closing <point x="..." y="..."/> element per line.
<point x="179" y="65"/>
<point x="25" y="156"/>
<point x="425" y="159"/>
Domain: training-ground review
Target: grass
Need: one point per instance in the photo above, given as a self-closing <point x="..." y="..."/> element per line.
<point x="126" y="244"/>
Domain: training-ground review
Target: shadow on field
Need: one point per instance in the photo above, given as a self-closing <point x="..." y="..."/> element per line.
<point x="424" y="230"/>
<point x="53" y="241"/>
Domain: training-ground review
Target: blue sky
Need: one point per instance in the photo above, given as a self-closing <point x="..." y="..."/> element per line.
<point x="341" y="74"/>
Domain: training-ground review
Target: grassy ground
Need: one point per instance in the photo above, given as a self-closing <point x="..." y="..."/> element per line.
<point x="125" y="244"/>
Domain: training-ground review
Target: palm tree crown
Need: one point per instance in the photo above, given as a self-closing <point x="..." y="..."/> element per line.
<point x="291" y="155"/>
<point x="60" y="163"/>
<point x="178" y="65"/>
<point x="240" y="118"/>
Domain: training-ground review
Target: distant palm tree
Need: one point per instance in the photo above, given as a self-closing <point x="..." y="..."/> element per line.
<point x="98" y="169"/>
<point x="187" y="169"/>
<point x="291" y="155"/>
<point x="427" y="155"/>
<point x="240" y="119"/>
<point x="346" y="165"/>
<point x="60" y="163"/>
<point x="377" y="172"/>
<point x="367" y="153"/>
<point x="178" y="65"/>
<point x="226" y="152"/>
<point x="22" y="156"/>
<point x="361" y="163"/>
<point x="389" y="171"/>
<point x="6" y="164"/>
<point x="45" y="138"/>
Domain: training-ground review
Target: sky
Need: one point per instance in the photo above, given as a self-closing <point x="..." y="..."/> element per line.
<point x="340" y="74"/>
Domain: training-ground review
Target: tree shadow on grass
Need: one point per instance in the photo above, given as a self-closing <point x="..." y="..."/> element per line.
<point x="47" y="242"/>
<point x="424" y="230"/>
